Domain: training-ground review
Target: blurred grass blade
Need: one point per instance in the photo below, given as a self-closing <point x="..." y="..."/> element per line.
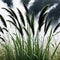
<point x="58" y="25"/>
<point x="28" y="19"/>
<point x="41" y="20"/>
<point x="32" y="19"/>
<point x="5" y="29"/>
<point x="44" y="10"/>
<point x="47" y="27"/>
<point x="21" y="16"/>
<point x="32" y="23"/>
<point x="8" y="11"/>
<point x="14" y="14"/>
<point x="13" y="23"/>
<point x="25" y="8"/>
<point x="3" y="20"/>
<point x="15" y="46"/>
<point x="12" y="18"/>
<point x="46" y="21"/>
<point x="2" y="39"/>
<point x="1" y="30"/>
<point x="48" y="43"/>
<point x="26" y="32"/>
<point x="42" y="16"/>
<point x="19" y="29"/>
<point x="55" y="50"/>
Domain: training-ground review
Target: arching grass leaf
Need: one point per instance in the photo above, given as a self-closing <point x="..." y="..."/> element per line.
<point x="47" y="27"/>
<point x="14" y="14"/>
<point x="32" y="23"/>
<point x="25" y="8"/>
<point x="41" y="21"/>
<point x="12" y="23"/>
<point x="5" y="29"/>
<point x="2" y="39"/>
<point x="32" y="19"/>
<point x="19" y="29"/>
<point x="12" y="19"/>
<point x="46" y="22"/>
<point x="58" y="25"/>
<point x="3" y="20"/>
<point x="42" y="17"/>
<point x="26" y="31"/>
<point x="28" y="19"/>
<point x="1" y="30"/>
<point x="55" y="51"/>
<point x="44" y="9"/>
<point x="8" y="11"/>
<point x="21" y="16"/>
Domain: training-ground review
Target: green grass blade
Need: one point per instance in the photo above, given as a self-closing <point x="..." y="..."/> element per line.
<point x="32" y="23"/>
<point x="55" y="50"/>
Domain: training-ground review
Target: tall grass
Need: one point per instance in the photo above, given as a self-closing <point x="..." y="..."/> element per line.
<point x="31" y="48"/>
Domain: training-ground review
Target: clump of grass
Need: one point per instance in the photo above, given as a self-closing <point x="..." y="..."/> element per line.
<point x="29" y="49"/>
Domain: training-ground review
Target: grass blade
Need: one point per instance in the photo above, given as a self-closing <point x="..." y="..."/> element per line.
<point x="28" y="19"/>
<point x="12" y="18"/>
<point x="32" y="24"/>
<point x="19" y="29"/>
<point x="56" y="27"/>
<point x="26" y="32"/>
<point x="5" y="29"/>
<point x="21" y="16"/>
<point x="55" y="50"/>
<point x="25" y="7"/>
<point x="42" y="16"/>
<point x="47" y="27"/>
<point x="14" y="14"/>
<point x="3" y="20"/>
<point x="41" y="20"/>
<point x="2" y="39"/>
<point x="8" y="11"/>
<point x="1" y="30"/>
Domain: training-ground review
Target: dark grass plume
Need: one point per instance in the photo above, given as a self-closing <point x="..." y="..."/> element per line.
<point x="1" y="30"/>
<point x="42" y="17"/>
<point x="12" y="19"/>
<point x="18" y="28"/>
<point x="58" y="25"/>
<point x="21" y="16"/>
<point x="47" y="26"/>
<point x="3" y="20"/>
